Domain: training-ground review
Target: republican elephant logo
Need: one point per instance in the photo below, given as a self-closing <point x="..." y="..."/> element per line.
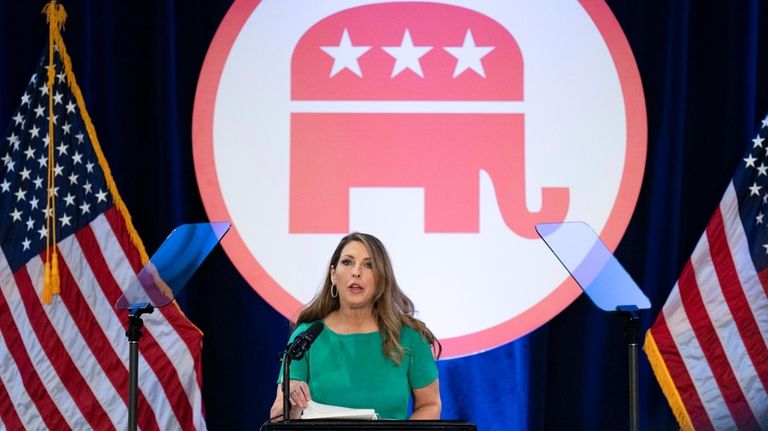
<point x="410" y="101"/>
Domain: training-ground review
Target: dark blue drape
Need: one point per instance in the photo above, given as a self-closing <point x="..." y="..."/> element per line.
<point x="705" y="86"/>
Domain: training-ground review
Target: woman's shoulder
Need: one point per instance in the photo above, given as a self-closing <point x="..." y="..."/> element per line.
<point x="410" y="334"/>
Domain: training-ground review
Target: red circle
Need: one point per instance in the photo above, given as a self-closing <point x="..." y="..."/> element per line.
<point x="540" y="313"/>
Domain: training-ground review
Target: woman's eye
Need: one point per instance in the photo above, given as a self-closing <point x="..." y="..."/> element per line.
<point x="346" y="262"/>
<point x="368" y="265"/>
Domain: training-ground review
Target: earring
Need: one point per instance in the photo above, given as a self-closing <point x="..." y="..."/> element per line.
<point x="334" y="291"/>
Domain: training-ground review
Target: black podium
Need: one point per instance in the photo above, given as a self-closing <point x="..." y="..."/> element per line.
<point x="364" y="425"/>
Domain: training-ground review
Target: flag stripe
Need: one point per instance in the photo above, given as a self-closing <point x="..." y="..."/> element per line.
<point x="50" y="413"/>
<point x="741" y="313"/>
<point x="9" y="418"/>
<point x="58" y="356"/>
<point x="713" y="349"/>
<point x="149" y="348"/>
<point x="104" y="352"/>
<point x="679" y="373"/>
<point x="754" y="289"/>
<point x="17" y="401"/>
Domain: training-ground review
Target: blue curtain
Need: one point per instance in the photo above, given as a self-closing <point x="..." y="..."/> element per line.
<point x="705" y="88"/>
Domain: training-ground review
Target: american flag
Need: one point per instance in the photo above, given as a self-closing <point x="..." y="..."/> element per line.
<point x="64" y="365"/>
<point x="708" y="345"/>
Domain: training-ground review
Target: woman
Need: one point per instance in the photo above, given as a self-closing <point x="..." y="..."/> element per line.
<point x="373" y="353"/>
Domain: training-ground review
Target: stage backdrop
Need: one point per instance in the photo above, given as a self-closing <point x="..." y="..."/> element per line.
<point x="139" y="66"/>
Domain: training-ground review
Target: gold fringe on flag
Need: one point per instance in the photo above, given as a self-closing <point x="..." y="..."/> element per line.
<point x="56" y="16"/>
<point x="665" y="381"/>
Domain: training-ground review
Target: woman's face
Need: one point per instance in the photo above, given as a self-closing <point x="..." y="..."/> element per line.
<point x="353" y="276"/>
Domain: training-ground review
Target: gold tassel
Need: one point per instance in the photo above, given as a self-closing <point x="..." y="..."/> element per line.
<point x="55" y="16"/>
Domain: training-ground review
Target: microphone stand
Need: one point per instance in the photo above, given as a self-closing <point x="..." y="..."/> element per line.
<point x="286" y="386"/>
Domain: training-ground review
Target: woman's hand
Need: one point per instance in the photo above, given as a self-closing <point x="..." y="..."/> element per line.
<point x="298" y="396"/>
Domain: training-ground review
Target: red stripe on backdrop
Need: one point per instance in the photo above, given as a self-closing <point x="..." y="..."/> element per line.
<point x="735" y="297"/>
<point x="680" y="376"/>
<point x="49" y="412"/>
<point x="713" y="350"/>
<point x="99" y="344"/>
<point x="148" y="347"/>
<point x="9" y="418"/>
<point x="58" y="356"/>
<point x="188" y="332"/>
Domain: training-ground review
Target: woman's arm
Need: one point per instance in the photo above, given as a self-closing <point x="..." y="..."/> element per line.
<point x="426" y="402"/>
<point x="299" y="397"/>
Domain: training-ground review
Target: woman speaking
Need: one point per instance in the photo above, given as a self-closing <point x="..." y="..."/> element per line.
<point x="373" y="353"/>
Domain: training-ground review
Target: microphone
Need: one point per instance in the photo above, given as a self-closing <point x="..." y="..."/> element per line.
<point x="303" y="341"/>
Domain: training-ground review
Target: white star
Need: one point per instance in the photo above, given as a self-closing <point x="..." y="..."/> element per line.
<point x="89" y="167"/>
<point x="58" y="170"/>
<point x="60" y="77"/>
<point x="33" y="203"/>
<point x="72" y="178"/>
<point x="63" y="149"/>
<point x="469" y="55"/>
<point x="755" y="189"/>
<point x="77" y="158"/>
<point x="34" y="132"/>
<point x="30" y="153"/>
<point x="10" y="165"/>
<point x="762" y="169"/>
<point x="70" y="107"/>
<point x="46" y="140"/>
<point x="758" y="141"/>
<point x="43" y="232"/>
<point x="17" y="119"/>
<point x="6" y="159"/>
<point x="21" y="195"/>
<point x="69" y="199"/>
<point x="25" y="99"/>
<point x="26" y="243"/>
<point x="33" y="79"/>
<point x="43" y="161"/>
<point x="87" y="187"/>
<point x="79" y="137"/>
<point x="57" y="98"/>
<point x="101" y="196"/>
<point x="55" y="191"/>
<point x="345" y="55"/>
<point x="750" y="161"/>
<point x="85" y="208"/>
<point x="39" y="111"/>
<point x="66" y="128"/>
<point x="30" y="223"/>
<point x="16" y="214"/>
<point x="38" y="183"/>
<point x="43" y="89"/>
<point x="5" y="185"/>
<point x="55" y="117"/>
<point x="759" y="218"/>
<point x="65" y="220"/>
<point x="765" y="121"/>
<point x="25" y="174"/>
<point x="406" y="55"/>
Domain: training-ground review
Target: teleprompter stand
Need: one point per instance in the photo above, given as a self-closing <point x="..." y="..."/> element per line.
<point x="606" y="282"/>
<point x="157" y="284"/>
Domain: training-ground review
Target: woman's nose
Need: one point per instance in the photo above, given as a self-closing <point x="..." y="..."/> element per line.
<point x="355" y="271"/>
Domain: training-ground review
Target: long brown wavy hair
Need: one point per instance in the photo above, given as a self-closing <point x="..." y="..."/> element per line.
<point x="391" y="307"/>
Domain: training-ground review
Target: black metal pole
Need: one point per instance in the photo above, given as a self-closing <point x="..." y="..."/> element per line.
<point x="286" y="387"/>
<point x="134" y="334"/>
<point x="631" y="335"/>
